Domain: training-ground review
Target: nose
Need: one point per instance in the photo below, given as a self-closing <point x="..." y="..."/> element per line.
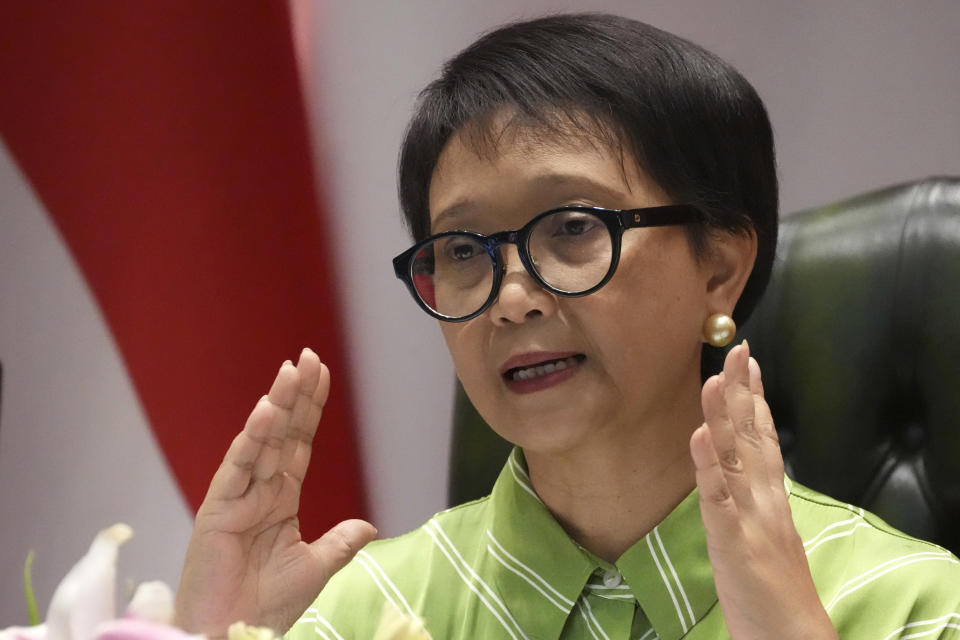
<point x="521" y="298"/>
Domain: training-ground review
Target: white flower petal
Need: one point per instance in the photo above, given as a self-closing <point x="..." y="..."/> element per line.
<point x="152" y="601"/>
<point x="85" y="596"/>
<point x="37" y="632"/>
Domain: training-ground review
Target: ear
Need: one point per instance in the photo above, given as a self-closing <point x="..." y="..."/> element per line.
<point x="728" y="264"/>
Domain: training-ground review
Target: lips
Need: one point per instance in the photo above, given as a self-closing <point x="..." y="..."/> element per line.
<point x="542" y="368"/>
<point x="534" y="371"/>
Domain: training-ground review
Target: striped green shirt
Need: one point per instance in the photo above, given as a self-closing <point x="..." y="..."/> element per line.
<point x="502" y="567"/>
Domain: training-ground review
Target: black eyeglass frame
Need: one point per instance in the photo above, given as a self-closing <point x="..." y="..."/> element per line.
<point x="616" y="220"/>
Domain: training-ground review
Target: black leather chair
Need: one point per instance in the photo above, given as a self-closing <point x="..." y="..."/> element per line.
<point x="858" y="337"/>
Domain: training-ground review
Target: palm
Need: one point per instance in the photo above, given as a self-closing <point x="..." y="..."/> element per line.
<point x="246" y="559"/>
<point x="759" y="566"/>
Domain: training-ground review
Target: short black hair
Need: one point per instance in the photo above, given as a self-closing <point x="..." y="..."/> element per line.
<point x="692" y="122"/>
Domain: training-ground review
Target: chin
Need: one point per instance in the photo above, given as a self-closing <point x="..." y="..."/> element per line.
<point x="546" y="434"/>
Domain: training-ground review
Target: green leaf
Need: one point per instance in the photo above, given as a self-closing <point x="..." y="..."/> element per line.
<point x="28" y="591"/>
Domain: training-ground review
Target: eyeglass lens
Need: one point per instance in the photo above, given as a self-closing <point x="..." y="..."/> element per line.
<point x="571" y="251"/>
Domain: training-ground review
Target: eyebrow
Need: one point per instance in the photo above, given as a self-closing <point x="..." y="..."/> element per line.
<point x="454" y="211"/>
<point x="590" y="187"/>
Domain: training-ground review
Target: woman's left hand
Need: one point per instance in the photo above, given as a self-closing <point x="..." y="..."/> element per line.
<point x="759" y="565"/>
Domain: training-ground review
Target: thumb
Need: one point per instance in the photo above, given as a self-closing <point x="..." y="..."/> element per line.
<point x="337" y="546"/>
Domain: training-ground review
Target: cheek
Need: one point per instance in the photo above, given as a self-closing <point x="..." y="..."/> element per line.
<point x="451" y="336"/>
<point x="468" y="347"/>
<point x="661" y="274"/>
<point x="465" y="346"/>
<point x="653" y="308"/>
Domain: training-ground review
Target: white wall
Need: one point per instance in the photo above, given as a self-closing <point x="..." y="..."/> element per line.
<point x="861" y="94"/>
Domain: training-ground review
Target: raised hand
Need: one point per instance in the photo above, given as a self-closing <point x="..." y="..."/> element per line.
<point x="759" y="566"/>
<point x="246" y="560"/>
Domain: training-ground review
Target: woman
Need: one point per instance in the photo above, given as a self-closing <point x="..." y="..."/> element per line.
<point x="592" y="200"/>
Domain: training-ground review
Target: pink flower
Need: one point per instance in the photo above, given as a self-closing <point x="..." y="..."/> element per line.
<point x="137" y="629"/>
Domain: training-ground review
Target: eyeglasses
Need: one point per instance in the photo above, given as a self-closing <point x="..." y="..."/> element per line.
<point x="570" y="251"/>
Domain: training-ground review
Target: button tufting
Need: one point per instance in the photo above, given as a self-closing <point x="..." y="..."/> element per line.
<point x="912" y="438"/>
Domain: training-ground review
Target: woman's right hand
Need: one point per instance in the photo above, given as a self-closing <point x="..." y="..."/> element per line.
<point x="246" y="560"/>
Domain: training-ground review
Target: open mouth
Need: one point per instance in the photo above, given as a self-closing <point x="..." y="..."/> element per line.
<point x="543" y="368"/>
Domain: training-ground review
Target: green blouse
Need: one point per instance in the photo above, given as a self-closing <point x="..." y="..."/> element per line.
<point x="502" y="567"/>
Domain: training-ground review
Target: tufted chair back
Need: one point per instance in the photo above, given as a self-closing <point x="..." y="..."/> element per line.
<point x="858" y="337"/>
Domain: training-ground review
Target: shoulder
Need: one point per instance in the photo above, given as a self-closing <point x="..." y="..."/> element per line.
<point x="871" y="577"/>
<point x="407" y="571"/>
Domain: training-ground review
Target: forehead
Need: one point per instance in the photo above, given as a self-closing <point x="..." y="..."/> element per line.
<point x="506" y="132"/>
<point x="535" y="166"/>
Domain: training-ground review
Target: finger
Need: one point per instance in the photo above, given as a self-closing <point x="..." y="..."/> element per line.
<point x="741" y="410"/>
<point x="769" y="441"/>
<point x="338" y="545"/>
<point x="756" y="379"/>
<point x="723" y="437"/>
<point x="271" y="433"/>
<point x="305" y="431"/>
<point x="717" y="506"/>
<point x="234" y="474"/>
<point x="308" y="366"/>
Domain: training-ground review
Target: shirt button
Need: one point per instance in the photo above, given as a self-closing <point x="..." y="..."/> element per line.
<point x="612" y="579"/>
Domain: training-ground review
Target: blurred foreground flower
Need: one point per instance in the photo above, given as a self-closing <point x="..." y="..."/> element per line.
<point x="241" y="631"/>
<point x="396" y="625"/>
<point x="83" y="605"/>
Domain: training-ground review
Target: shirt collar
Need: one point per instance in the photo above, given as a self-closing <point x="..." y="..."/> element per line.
<point x="537" y="562"/>
<point x="668" y="570"/>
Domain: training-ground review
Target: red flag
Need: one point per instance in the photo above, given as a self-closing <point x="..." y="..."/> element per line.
<point x="168" y="141"/>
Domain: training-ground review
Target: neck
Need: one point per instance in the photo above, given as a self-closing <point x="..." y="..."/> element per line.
<point x="611" y="491"/>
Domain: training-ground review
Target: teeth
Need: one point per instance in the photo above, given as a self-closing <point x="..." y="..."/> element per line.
<point x="542" y="369"/>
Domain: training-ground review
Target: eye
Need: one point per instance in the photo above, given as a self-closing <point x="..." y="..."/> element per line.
<point x="574" y="227"/>
<point x="458" y="249"/>
<point x="462" y="251"/>
<point x="573" y="224"/>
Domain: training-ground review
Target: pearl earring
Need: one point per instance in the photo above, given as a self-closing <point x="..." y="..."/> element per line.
<point x="719" y="329"/>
